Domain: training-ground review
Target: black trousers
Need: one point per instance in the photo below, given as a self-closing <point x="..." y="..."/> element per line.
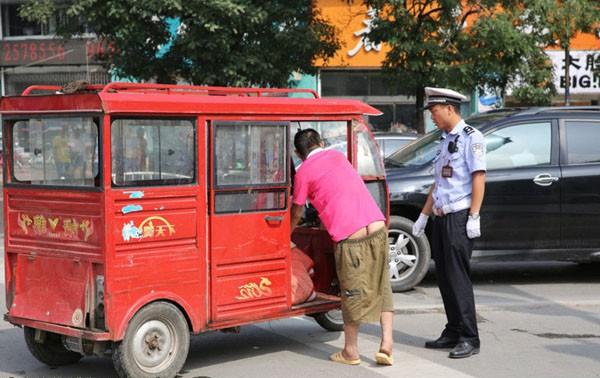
<point x="451" y="250"/>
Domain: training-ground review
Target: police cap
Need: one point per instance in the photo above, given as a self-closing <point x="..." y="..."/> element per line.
<point x="443" y="96"/>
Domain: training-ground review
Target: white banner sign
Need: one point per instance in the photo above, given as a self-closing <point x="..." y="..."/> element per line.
<point x="583" y="64"/>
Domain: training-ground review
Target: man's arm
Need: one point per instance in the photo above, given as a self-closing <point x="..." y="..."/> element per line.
<point x="478" y="190"/>
<point x="296" y="215"/>
<point x="418" y="229"/>
<point x="428" y="207"/>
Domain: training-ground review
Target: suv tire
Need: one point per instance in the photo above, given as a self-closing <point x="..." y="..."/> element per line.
<point x="408" y="254"/>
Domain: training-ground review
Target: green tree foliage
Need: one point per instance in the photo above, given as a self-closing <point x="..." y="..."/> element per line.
<point x="465" y="44"/>
<point x="218" y="42"/>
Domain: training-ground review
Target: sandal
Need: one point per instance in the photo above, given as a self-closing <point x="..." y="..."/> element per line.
<point x="339" y="357"/>
<point x="383" y="358"/>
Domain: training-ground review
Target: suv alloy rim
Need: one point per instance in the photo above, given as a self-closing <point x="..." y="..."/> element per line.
<point x="404" y="254"/>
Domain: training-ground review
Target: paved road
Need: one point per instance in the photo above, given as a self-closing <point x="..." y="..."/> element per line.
<point x="536" y="320"/>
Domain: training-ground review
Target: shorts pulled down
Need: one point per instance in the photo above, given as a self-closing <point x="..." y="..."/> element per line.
<point x="363" y="272"/>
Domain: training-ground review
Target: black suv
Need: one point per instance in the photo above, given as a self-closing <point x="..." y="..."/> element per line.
<point x="542" y="195"/>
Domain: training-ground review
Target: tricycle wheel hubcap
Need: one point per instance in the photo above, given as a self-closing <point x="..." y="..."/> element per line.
<point x="154" y="345"/>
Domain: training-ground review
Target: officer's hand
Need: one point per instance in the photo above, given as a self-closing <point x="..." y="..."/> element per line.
<point x="419" y="226"/>
<point x="473" y="228"/>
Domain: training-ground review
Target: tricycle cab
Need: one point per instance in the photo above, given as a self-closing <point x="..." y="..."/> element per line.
<point x="146" y="212"/>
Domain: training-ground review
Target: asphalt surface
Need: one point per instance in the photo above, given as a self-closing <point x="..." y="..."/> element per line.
<point x="535" y="320"/>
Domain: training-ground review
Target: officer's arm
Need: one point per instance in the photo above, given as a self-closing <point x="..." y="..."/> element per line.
<point x="429" y="203"/>
<point x="478" y="189"/>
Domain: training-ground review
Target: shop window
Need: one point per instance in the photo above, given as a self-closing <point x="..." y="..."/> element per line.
<point x="15" y="26"/>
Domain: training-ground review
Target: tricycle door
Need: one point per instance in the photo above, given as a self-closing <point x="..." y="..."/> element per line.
<point x="157" y="190"/>
<point x="249" y="221"/>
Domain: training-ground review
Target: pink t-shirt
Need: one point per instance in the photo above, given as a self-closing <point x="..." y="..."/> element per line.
<point x="337" y="192"/>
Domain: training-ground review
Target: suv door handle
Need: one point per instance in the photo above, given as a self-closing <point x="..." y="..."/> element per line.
<point x="270" y="219"/>
<point x="544" y="179"/>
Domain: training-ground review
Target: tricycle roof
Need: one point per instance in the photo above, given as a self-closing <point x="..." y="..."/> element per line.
<point x="138" y="98"/>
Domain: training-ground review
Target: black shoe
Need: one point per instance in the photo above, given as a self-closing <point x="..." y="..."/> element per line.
<point x="441" y="343"/>
<point x="463" y="349"/>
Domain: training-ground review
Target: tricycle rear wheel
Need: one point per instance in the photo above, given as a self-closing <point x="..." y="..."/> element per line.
<point x="331" y="320"/>
<point x="49" y="349"/>
<point x="156" y="343"/>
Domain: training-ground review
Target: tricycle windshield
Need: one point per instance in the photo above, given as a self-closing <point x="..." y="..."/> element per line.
<point x="55" y="151"/>
<point x="367" y="155"/>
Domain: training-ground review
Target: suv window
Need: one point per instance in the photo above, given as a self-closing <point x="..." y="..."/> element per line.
<point x="522" y="145"/>
<point x="421" y="152"/>
<point x="582" y="142"/>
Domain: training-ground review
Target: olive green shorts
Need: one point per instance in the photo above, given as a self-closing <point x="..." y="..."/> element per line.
<point x="363" y="272"/>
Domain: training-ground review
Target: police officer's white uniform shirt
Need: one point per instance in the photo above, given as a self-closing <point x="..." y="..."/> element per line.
<point x="454" y="193"/>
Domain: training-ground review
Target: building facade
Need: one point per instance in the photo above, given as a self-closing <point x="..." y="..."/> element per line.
<point x="355" y="72"/>
<point x="32" y="54"/>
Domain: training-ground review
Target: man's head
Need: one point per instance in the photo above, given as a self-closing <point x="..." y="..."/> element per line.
<point x="305" y="141"/>
<point x="444" y="105"/>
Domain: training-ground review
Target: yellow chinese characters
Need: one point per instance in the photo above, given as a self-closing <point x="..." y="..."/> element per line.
<point x="150" y="227"/>
<point x="253" y="290"/>
<point x="49" y="226"/>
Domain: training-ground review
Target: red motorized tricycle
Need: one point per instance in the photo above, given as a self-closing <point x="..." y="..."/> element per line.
<point x="138" y="214"/>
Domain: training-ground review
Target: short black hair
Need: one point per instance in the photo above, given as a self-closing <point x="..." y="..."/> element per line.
<point x="305" y="141"/>
<point x="456" y="108"/>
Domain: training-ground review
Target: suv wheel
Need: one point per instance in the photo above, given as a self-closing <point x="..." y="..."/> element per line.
<point x="409" y="255"/>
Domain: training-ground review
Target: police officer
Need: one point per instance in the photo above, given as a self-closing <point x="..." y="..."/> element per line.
<point x="455" y="199"/>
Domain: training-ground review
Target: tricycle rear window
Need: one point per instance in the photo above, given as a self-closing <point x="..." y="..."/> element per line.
<point x="148" y="152"/>
<point x="55" y="151"/>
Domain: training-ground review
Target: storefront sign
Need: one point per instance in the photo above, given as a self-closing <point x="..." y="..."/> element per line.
<point x="584" y="71"/>
<point x="45" y="52"/>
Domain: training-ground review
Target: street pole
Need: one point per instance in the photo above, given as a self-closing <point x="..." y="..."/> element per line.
<point x="567" y="61"/>
<point x="567" y="74"/>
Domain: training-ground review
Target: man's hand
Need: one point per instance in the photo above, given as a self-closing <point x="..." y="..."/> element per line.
<point x="473" y="227"/>
<point x="419" y="226"/>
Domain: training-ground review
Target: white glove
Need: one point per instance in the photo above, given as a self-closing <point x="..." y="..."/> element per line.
<point x="419" y="226"/>
<point x="473" y="228"/>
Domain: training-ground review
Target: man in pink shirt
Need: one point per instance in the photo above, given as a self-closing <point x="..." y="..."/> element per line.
<point x="357" y="226"/>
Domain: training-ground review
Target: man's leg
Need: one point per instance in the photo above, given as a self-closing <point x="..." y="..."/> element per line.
<point x="458" y="273"/>
<point x="387" y="339"/>
<point x="350" y="351"/>
<point x="442" y="245"/>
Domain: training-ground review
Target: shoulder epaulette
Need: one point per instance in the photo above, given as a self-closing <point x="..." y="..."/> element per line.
<point x="469" y="130"/>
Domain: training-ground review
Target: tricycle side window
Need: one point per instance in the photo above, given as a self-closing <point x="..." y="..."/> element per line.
<point x="333" y="133"/>
<point x="251" y="167"/>
<point x="149" y="152"/>
<point x="55" y="151"/>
